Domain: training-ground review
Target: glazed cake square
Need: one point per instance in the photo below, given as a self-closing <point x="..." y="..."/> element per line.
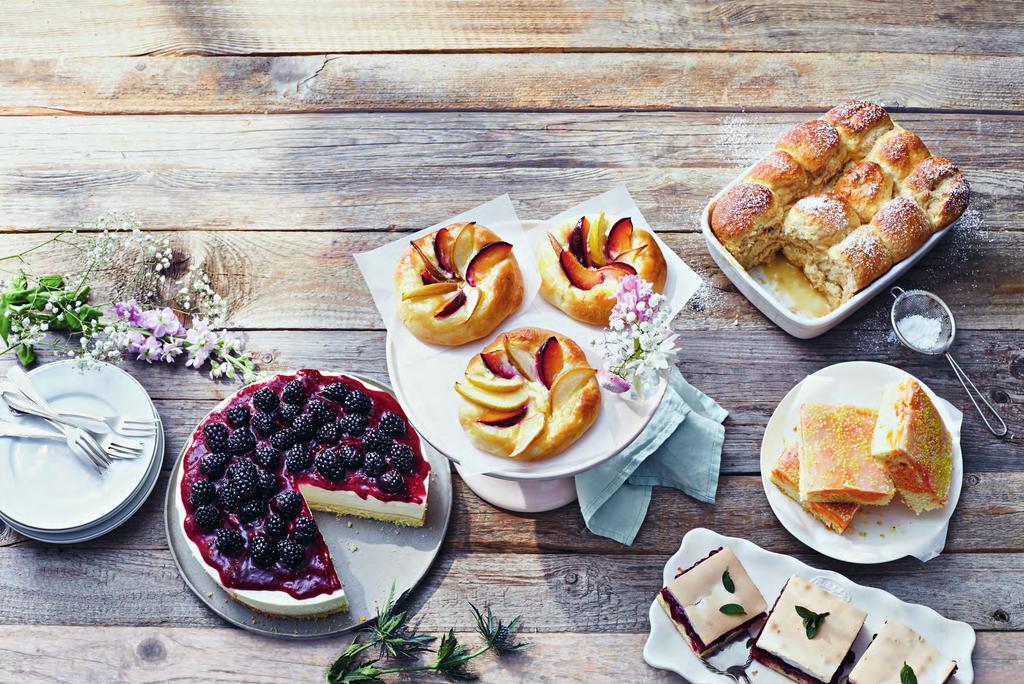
<point x="783" y="645"/>
<point x="786" y="476"/>
<point x="897" y="645"/>
<point x="695" y="597"/>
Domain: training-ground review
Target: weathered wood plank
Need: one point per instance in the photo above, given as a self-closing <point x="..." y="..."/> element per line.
<point x="309" y="280"/>
<point x="524" y="81"/>
<point x="989" y="518"/>
<point x="213" y="27"/>
<point x="560" y="592"/>
<point x="400" y="171"/>
<point x="147" y="654"/>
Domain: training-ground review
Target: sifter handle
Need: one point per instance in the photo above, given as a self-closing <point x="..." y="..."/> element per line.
<point x="965" y="381"/>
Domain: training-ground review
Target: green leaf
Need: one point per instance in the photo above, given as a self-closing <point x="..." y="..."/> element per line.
<point x="727" y="582"/>
<point x="53" y="281"/>
<point x="733" y="609"/>
<point x="907" y="675"/>
<point x="452" y="658"/>
<point x="20" y="282"/>
<point x="812" y="620"/>
<point x="26" y="354"/>
<point x="348" y="670"/>
<point x="5" y="324"/>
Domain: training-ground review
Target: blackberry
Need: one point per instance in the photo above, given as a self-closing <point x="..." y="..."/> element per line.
<point x="329" y="464"/>
<point x="213" y="465"/>
<point x="264" y="424"/>
<point x="304" y="530"/>
<point x="238" y="416"/>
<point x="289" y="504"/>
<point x="241" y="442"/>
<point x="294" y="392"/>
<point x="229" y="542"/>
<point x="275" y="526"/>
<point x="252" y="509"/>
<point x="290" y="552"/>
<point x="268" y="484"/>
<point x="289" y="413"/>
<point x="202" y="493"/>
<point x="353" y="424"/>
<point x="402" y="457"/>
<point x="336" y="392"/>
<point x="304" y="428"/>
<point x="330" y="433"/>
<point x="263" y="550"/>
<point x="216" y="436"/>
<point x="392" y="424"/>
<point x="206" y="517"/>
<point x="320" y="412"/>
<point x="283" y="439"/>
<point x="245" y="477"/>
<point x="375" y="440"/>
<point x="358" y="402"/>
<point x="351" y="457"/>
<point x="298" y="459"/>
<point x="231" y="497"/>
<point x="265" y="400"/>
<point x="267" y="456"/>
<point x="374" y="463"/>
<point x="391" y="482"/>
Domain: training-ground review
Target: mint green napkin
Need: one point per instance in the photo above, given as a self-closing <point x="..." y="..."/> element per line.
<point x="681" y="447"/>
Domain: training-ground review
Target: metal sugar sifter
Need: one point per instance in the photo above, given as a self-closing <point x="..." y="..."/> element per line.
<point x="924" y="323"/>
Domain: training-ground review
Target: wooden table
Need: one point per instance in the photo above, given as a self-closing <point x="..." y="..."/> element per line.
<point x="274" y="140"/>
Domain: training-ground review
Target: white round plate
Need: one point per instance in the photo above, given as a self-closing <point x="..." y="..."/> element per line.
<point x="43" y="485"/>
<point x="667" y="650"/>
<point x="878" y="534"/>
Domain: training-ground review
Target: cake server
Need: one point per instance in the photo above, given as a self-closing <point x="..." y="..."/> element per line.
<point x="929" y="306"/>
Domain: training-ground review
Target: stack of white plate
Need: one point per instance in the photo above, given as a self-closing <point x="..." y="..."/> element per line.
<point x="50" y="494"/>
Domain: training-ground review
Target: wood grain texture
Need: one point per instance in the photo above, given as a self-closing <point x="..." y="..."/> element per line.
<point x="403" y="171"/>
<point x="131" y="655"/>
<point x="522" y="81"/>
<point x="217" y="27"/>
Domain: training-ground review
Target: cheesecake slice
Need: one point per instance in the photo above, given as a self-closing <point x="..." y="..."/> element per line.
<point x="786" y="476"/>
<point x="789" y="646"/>
<point x="835" y="456"/>
<point x="911" y="440"/>
<point x="896" y="648"/>
<point x="712" y="602"/>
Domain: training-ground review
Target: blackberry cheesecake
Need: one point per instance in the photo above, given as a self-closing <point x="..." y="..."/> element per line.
<point x="809" y="634"/>
<point x="713" y="601"/>
<point x="259" y="463"/>
<point x="897" y="649"/>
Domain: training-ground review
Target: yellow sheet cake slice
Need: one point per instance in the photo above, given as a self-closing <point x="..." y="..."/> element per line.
<point x="786" y="476"/>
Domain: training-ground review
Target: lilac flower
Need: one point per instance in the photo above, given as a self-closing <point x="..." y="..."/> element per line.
<point x="200" y="341"/>
<point x="612" y="382"/>
<point x="135" y="340"/>
<point x="161" y="322"/>
<point x="129" y="311"/>
<point x="151" y="349"/>
<point x="171" y="350"/>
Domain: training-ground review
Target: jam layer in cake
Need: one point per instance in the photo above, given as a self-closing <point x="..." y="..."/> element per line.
<point x="250" y="461"/>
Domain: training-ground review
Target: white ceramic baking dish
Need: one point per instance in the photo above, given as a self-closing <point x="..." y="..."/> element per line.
<point x="763" y="297"/>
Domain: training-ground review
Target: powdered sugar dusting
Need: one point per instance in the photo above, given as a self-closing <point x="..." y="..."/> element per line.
<point x="737" y="140"/>
<point x="831" y="210"/>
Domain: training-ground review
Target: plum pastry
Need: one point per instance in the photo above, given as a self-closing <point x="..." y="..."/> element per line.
<point x="457" y="284"/>
<point x="528" y="395"/>
<point x="844" y="198"/>
<point x="257" y="465"/>
<point x="712" y="602"/>
<point x="808" y="634"/>
<point x="898" y="650"/>
<point x="581" y="262"/>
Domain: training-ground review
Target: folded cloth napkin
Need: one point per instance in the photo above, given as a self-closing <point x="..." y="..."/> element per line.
<point x="681" y="447"/>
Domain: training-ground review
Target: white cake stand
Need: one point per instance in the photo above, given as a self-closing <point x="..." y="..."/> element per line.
<point x="528" y="489"/>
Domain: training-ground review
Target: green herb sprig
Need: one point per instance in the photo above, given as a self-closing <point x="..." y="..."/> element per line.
<point x="727" y="582"/>
<point x="907" y="675"/>
<point x="812" y="620"/>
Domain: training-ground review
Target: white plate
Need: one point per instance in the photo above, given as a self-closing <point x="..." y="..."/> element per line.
<point x="878" y="534"/>
<point x="765" y="299"/>
<point x="43" y="485"/>
<point x="665" y="648"/>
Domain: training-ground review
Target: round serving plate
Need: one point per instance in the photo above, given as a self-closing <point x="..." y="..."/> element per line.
<point x="77" y="497"/>
<point x="878" y="534"/>
<point x="369" y="556"/>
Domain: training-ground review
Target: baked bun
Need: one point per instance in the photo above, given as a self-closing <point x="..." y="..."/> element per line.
<point x="529" y="395"/>
<point x="852" y="265"/>
<point x="859" y="125"/>
<point x="815" y="145"/>
<point x="747" y="220"/>
<point x="938" y="187"/>
<point x="781" y="174"/>
<point x="580" y="265"/>
<point x="457" y="284"/>
<point x="814" y="224"/>
<point x="902" y="226"/>
<point x="898" y="152"/>
<point x="866" y="187"/>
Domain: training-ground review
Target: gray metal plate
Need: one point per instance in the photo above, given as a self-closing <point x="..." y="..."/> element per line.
<point x="368" y="556"/>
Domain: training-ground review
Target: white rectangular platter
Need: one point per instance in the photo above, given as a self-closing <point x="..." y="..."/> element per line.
<point x="667" y="650"/>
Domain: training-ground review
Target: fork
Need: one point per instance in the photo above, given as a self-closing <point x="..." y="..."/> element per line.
<point x="11" y="429"/>
<point x="737" y="673"/>
<point x="126" y="427"/>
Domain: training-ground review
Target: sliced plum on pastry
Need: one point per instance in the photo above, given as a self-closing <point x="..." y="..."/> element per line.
<point x="431" y="290"/>
<point x="503" y="419"/>
<point x="579" y="276"/>
<point x="497" y="362"/>
<point x="487" y="258"/>
<point x="498" y="401"/>
<point x="444" y="245"/>
<point x="620" y="238"/>
<point x="568" y="383"/>
<point x="462" y="251"/>
<point x="596" y="240"/>
<point x="530" y="429"/>
<point x="616" y="269"/>
<point x="452" y="305"/>
<point x="550" y="361"/>
<point x="487" y="380"/>
<point x="578" y="241"/>
<point x="431" y="273"/>
<point x="520" y="357"/>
